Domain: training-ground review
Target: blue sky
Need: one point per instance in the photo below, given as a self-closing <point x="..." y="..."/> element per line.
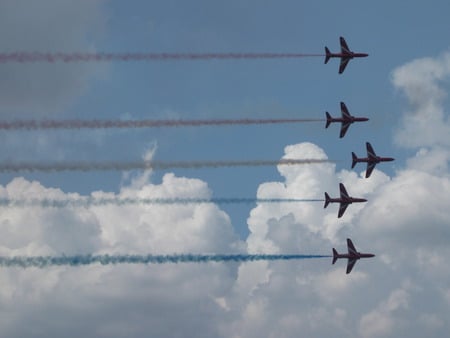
<point x="394" y="34"/>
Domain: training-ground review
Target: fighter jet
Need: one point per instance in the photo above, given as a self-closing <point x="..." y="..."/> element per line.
<point x="346" y="119"/>
<point x="372" y="159"/>
<point x="352" y="255"/>
<point x="344" y="200"/>
<point x="346" y="55"/>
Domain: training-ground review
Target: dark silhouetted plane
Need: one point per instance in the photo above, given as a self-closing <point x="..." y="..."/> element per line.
<point x="372" y="159"/>
<point x="346" y="55"/>
<point x="344" y="200"/>
<point x="346" y="119"/>
<point x="352" y="255"/>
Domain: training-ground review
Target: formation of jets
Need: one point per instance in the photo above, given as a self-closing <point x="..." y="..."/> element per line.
<point x="372" y="158"/>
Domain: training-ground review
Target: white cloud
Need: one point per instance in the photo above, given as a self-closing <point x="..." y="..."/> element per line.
<point x="382" y="321"/>
<point x="300" y="296"/>
<point x="335" y="284"/>
<point x="431" y="160"/>
<point x="116" y="300"/>
<point x="412" y="208"/>
<point x="421" y="80"/>
<point x="247" y="300"/>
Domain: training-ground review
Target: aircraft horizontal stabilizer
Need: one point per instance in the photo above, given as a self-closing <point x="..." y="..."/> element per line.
<point x="335" y="255"/>
<point x="327" y="200"/>
<point x="354" y="159"/>
<point x="327" y="55"/>
<point x="328" y="119"/>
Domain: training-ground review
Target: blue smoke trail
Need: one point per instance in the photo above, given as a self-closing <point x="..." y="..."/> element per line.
<point x="81" y="260"/>
<point x="91" y="201"/>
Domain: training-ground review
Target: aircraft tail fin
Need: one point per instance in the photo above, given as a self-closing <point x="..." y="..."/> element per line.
<point x="328" y="119"/>
<point x="335" y="255"/>
<point x="354" y="159"/>
<point x="327" y="200"/>
<point x="327" y="55"/>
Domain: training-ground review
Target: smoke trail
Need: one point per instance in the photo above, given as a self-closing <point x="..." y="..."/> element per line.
<point x="23" y="57"/>
<point x="91" y="201"/>
<point x="80" y="260"/>
<point x="155" y="165"/>
<point x="107" y="124"/>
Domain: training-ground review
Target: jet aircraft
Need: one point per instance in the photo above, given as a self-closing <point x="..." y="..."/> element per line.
<point x="346" y="119"/>
<point x="346" y="55"/>
<point x="344" y="200"/>
<point x="372" y="159"/>
<point x="352" y="255"/>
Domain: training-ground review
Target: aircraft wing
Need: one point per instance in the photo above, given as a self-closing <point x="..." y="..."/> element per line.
<point x="343" y="191"/>
<point x="344" y="46"/>
<point x="344" y="62"/>
<point x="351" y="247"/>
<point x="344" y="111"/>
<point x="342" y="208"/>
<point x="344" y="128"/>
<point x="370" y="151"/>
<point x="370" y="167"/>
<point x="350" y="264"/>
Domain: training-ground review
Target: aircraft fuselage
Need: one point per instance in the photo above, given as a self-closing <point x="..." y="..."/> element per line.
<point x="354" y="256"/>
<point x="374" y="159"/>
<point x="348" y="55"/>
<point x="348" y="200"/>
<point x="349" y="119"/>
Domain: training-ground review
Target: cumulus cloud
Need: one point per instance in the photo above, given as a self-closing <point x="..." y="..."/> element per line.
<point x="295" y="297"/>
<point x="111" y="301"/>
<point x="247" y="300"/>
<point x="381" y="321"/>
<point x="422" y="82"/>
<point x="412" y="204"/>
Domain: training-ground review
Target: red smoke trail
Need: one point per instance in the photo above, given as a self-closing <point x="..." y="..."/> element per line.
<point x="155" y="165"/>
<point x="127" y="57"/>
<point x="106" y="124"/>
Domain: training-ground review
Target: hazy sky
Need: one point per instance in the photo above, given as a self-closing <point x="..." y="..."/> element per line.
<point x="402" y="87"/>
